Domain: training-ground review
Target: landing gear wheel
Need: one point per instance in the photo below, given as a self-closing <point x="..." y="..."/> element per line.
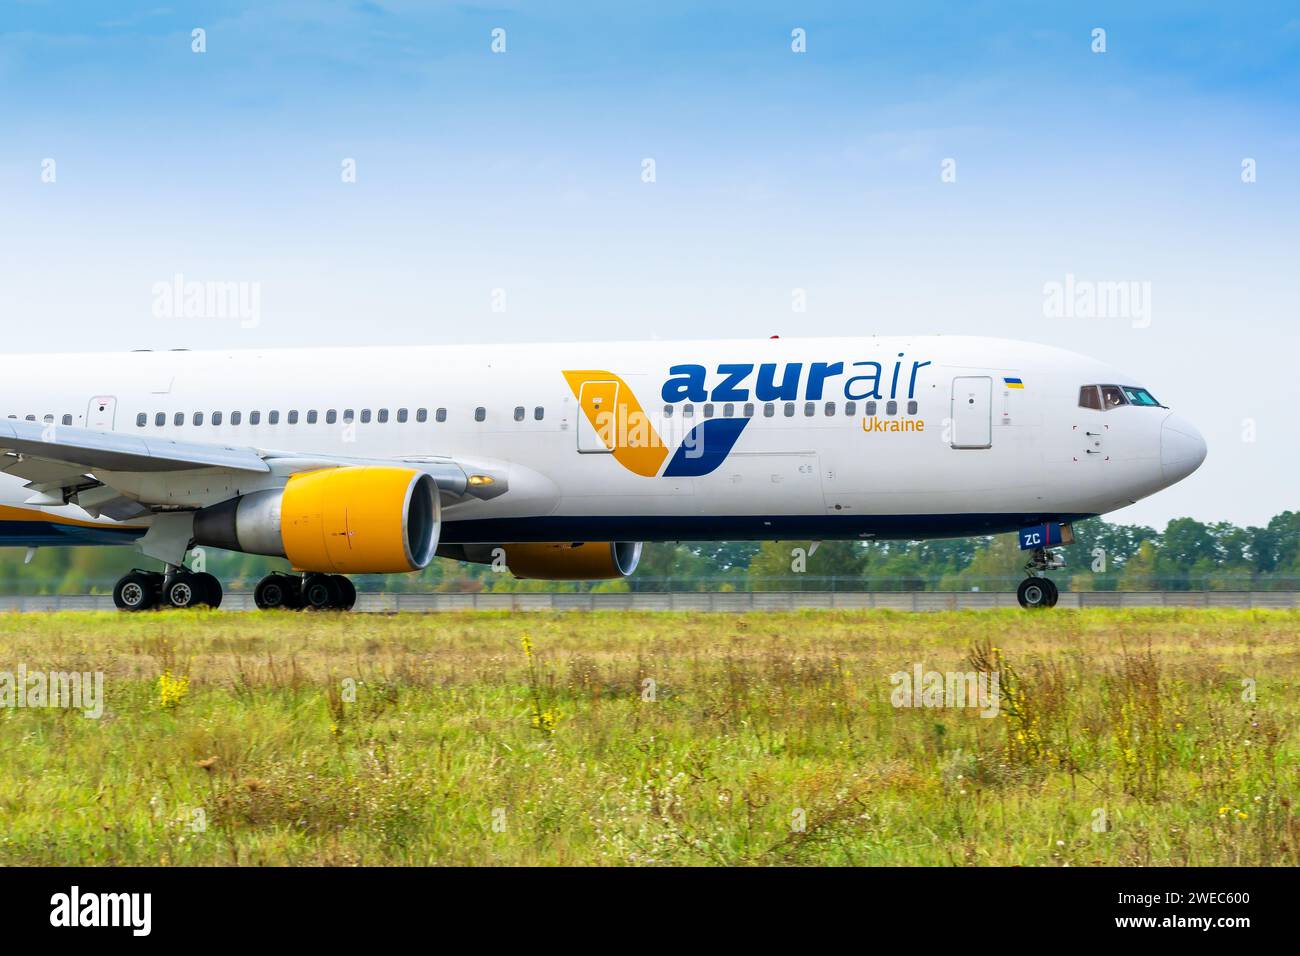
<point x="136" y="591"/>
<point x="183" y="591"/>
<point x="319" y="592"/>
<point x="276" y="591"/>
<point x="347" y="592"/>
<point x="210" y="588"/>
<point x="1054" y="593"/>
<point x="1036" y="593"/>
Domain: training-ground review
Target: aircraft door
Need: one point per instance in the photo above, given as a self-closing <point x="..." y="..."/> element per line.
<point x="972" y="411"/>
<point x="598" y="417"/>
<point x="101" y="412"/>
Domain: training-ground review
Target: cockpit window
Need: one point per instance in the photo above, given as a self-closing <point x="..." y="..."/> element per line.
<point x="1105" y="397"/>
<point x="1112" y="397"/>
<point x="1140" y="396"/>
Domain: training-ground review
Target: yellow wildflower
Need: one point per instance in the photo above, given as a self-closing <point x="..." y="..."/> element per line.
<point x="172" y="690"/>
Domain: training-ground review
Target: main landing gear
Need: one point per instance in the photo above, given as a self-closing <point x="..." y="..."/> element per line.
<point x="1038" y="590"/>
<point x="176" y="587"/>
<point x="316" y="592"/>
<point x="180" y="588"/>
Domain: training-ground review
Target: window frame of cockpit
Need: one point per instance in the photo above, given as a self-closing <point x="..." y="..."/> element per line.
<point x="1098" y="393"/>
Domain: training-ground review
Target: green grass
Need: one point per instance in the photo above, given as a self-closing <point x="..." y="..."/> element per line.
<point x="460" y="748"/>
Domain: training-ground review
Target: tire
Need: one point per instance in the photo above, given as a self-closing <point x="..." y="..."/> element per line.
<point x="275" y="591"/>
<point x="346" y="590"/>
<point x="1034" y="593"/>
<point x="210" y="588"/>
<point x="184" y="591"/>
<point x="319" y="592"/>
<point x="135" y="592"/>
<point x="1054" y="593"/>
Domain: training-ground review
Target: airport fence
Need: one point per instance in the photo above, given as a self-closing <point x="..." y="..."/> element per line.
<point x="736" y="602"/>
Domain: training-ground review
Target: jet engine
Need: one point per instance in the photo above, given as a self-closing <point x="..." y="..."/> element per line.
<point x="349" y="520"/>
<point x="554" y="560"/>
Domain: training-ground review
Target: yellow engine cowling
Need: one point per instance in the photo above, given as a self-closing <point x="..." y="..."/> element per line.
<point x="573" y="561"/>
<point x="349" y="520"/>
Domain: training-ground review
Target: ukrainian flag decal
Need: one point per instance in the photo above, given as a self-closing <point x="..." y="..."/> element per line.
<point x="1013" y="383"/>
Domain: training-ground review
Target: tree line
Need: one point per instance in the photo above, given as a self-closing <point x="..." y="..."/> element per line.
<point x="1186" y="555"/>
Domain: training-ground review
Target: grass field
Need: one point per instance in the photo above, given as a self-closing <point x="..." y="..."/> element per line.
<point x="1123" y="737"/>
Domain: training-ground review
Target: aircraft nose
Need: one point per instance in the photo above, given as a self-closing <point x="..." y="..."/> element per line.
<point x="1182" y="449"/>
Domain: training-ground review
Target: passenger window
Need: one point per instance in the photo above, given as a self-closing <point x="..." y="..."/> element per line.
<point x="179" y="419"/>
<point x="869" y="409"/>
<point x="312" y="417"/>
<point x="891" y="408"/>
<point x="708" y="410"/>
<point x="911" y="408"/>
<point x="159" y="420"/>
<point x="728" y="410"/>
<point x="365" y="416"/>
<point x="668" y="411"/>
<point x="480" y="414"/>
<point x="688" y="411"/>
<point x="1112" y="397"/>
<point x="789" y="409"/>
<point x="293" y="416"/>
<point x="273" y="418"/>
<point x="519" y="413"/>
<point x="830" y="408"/>
<point x="331" y="416"/>
<point x="383" y="416"/>
<point x="216" y="418"/>
<point x="403" y="415"/>
<point x="440" y="415"/>
<point x="31" y="418"/>
<point x="49" y="419"/>
<point x="809" y="409"/>
<point x="198" y="418"/>
<point x="539" y="413"/>
<point x="749" y="409"/>
<point x="236" y="417"/>
<point x="349" y="416"/>
<point x="141" y="420"/>
<point x="850" y="408"/>
<point x="254" y="418"/>
<point x="67" y="419"/>
<point x="1090" y="397"/>
<point x="421" y="414"/>
<point x="769" y="410"/>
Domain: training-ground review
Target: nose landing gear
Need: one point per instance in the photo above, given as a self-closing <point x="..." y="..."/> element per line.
<point x="1038" y="590"/>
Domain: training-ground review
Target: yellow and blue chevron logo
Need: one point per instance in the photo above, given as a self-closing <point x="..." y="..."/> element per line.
<point x="615" y="413"/>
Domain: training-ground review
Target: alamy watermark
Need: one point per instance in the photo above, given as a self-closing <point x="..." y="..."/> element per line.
<point x="67" y="690"/>
<point x="950" y="689"/>
<point x="130" y="910"/>
<point x="1104" y="299"/>
<point x="190" y="299"/>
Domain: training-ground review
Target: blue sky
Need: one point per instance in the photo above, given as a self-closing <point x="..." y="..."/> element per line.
<point x="774" y="171"/>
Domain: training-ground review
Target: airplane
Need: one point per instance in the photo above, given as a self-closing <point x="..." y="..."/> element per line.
<point x="557" y="461"/>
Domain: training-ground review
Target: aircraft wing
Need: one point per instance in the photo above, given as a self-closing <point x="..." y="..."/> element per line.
<point x="89" y="449"/>
<point x="125" y="476"/>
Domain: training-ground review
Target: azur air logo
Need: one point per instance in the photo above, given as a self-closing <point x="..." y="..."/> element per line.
<point x="625" y="430"/>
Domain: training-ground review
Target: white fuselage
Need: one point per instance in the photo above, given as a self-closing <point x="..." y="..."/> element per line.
<point x="964" y="450"/>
